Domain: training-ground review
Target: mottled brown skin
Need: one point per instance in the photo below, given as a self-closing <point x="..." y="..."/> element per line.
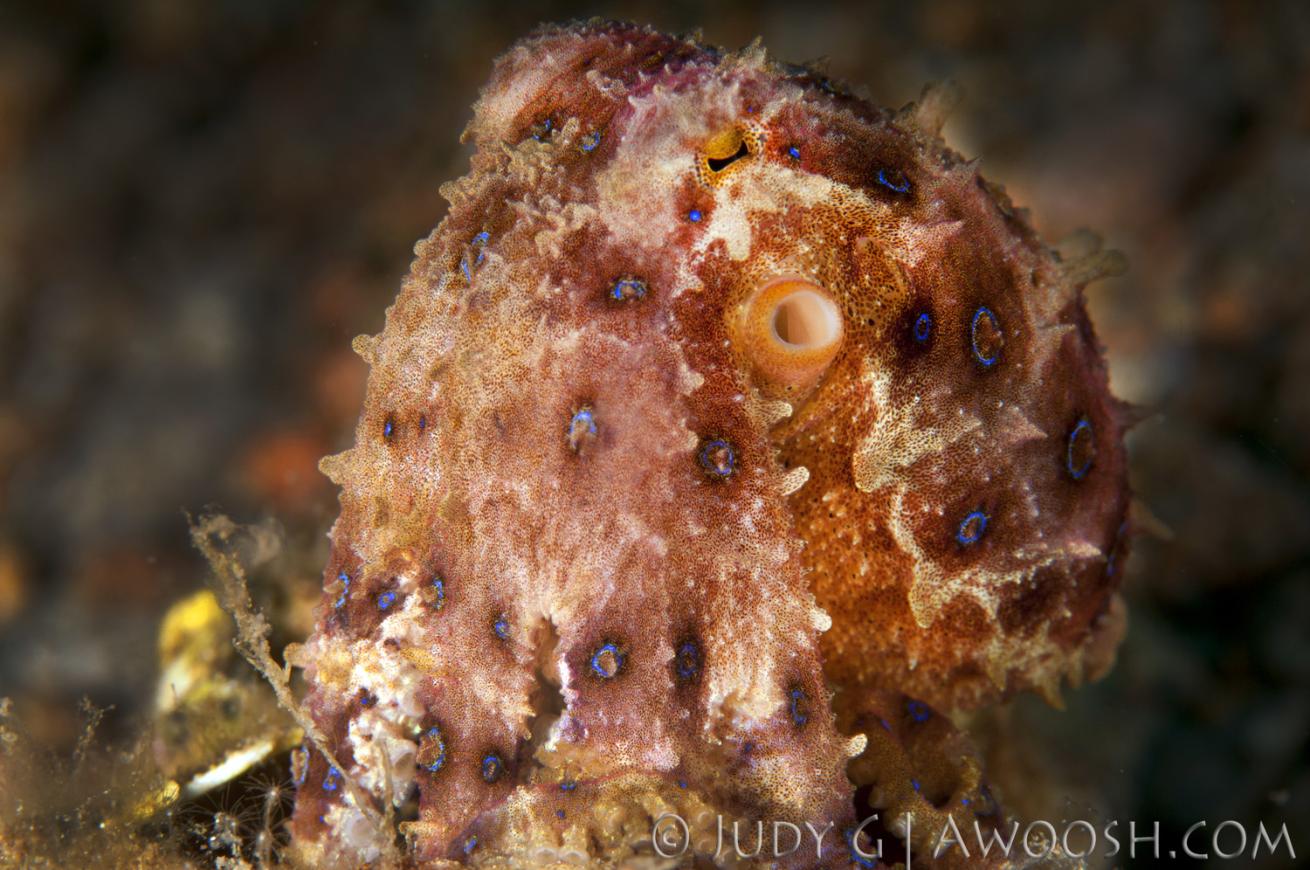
<point x="572" y="423"/>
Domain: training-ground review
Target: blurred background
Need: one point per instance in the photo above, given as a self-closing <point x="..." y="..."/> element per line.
<point x="201" y="203"/>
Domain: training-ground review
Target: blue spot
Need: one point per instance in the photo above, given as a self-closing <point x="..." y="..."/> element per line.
<point x="794" y="153"/>
<point x="589" y="142"/>
<point x="694" y="215"/>
<point x="858" y="856"/>
<point x="470" y="844"/>
<point x="894" y="180"/>
<point x="422" y="422"/>
<point x="918" y="710"/>
<point x="367" y="698"/>
<point x="607" y="661"/>
<point x="559" y="814"/>
<point x="627" y="290"/>
<point x="333" y="779"/>
<point x="914" y="783"/>
<point x="345" y="591"/>
<point x="1080" y="451"/>
<point x="682" y="783"/>
<point x="582" y="428"/>
<point x="586" y="419"/>
<point x="717" y="458"/>
<point x="687" y="661"/>
<point x="476" y="244"/>
<point x="543" y="129"/>
<point x="435" y="743"/>
<point x="386" y="599"/>
<point x="389" y="427"/>
<point x="501" y="627"/>
<point x="971" y="528"/>
<point x="568" y="785"/>
<point x="964" y="801"/>
<point x="492" y="767"/>
<point x="436" y="593"/>
<point x="985" y="337"/>
<point x="922" y="327"/>
<point x="799" y="714"/>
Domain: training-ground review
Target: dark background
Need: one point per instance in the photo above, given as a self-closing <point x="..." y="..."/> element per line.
<point x="201" y="203"/>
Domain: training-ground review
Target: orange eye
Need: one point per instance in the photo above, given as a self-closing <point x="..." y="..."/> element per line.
<point x="790" y="329"/>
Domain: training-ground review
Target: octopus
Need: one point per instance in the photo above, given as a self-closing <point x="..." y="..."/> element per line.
<point x="727" y="436"/>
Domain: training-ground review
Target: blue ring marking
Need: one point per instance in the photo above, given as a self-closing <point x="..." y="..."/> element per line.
<point x="914" y="783"/>
<point x="589" y="142"/>
<point x="798" y="715"/>
<point x="386" y="599"/>
<point x="922" y="327"/>
<point x="333" y="779"/>
<point x="984" y="311"/>
<point x="341" y="601"/>
<point x="440" y="760"/>
<point x="898" y="184"/>
<point x="711" y="465"/>
<point x="859" y="856"/>
<point x="422" y="422"/>
<point x="687" y="660"/>
<point x="470" y="844"/>
<point x="971" y="528"/>
<point x="918" y="710"/>
<point x="492" y="767"/>
<point x="546" y="127"/>
<point x="501" y="627"/>
<point x="793" y="152"/>
<point x="559" y="814"/>
<point x="389" y="427"/>
<point x="627" y="289"/>
<point x="694" y="215"/>
<point x="439" y="585"/>
<point x="583" y="418"/>
<point x="568" y="785"/>
<point x="600" y="663"/>
<point x="1083" y="425"/>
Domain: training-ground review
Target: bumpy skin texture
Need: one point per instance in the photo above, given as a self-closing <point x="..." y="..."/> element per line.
<point x="605" y="551"/>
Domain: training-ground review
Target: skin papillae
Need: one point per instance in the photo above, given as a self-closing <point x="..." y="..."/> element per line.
<point x="726" y="428"/>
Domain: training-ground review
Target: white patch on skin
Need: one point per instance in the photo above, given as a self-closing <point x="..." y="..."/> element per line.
<point x="794" y="479"/>
<point x="897" y="439"/>
<point x="355" y="832"/>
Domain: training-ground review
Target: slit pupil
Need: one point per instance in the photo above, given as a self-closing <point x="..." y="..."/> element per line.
<point x="718" y="164"/>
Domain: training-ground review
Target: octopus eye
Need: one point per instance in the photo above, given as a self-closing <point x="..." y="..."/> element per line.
<point x="791" y="330"/>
